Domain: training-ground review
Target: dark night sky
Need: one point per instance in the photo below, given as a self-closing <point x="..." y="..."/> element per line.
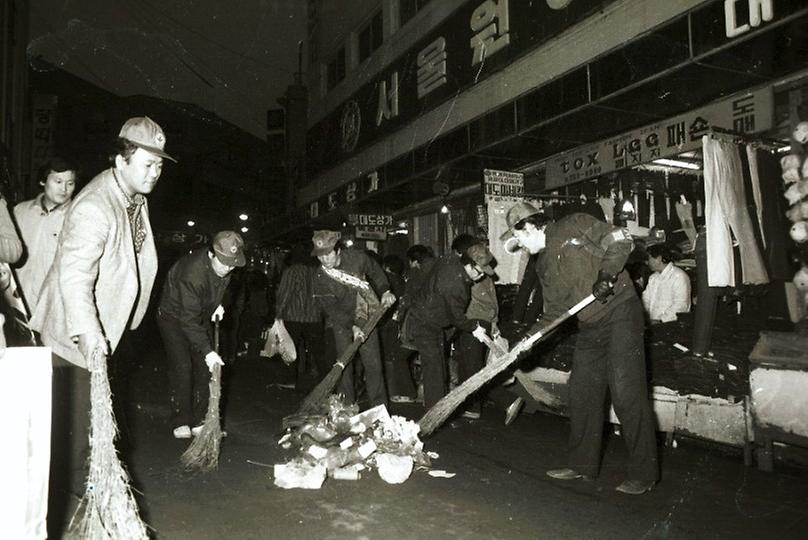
<point x="234" y="58"/>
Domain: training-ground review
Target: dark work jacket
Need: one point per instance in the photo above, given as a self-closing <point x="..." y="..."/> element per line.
<point x="443" y="296"/>
<point x="337" y="300"/>
<point x="191" y="293"/>
<point x="577" y="248"/>
<point x="294" y="299"/>
<point x="415" y="278"/>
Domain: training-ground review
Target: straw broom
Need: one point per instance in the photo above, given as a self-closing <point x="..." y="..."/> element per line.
<point x="438" y="414"/>
<point x="203" y="453"/>
<point x="329" y="382"/>
<point x="541" y="395"/>
<point x="110" y="507"/>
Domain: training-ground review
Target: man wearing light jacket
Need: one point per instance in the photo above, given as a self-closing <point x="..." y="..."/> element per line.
<point x="100" y="281"/>
<point x="584" y="256"/>
<point x="192" y="297"/>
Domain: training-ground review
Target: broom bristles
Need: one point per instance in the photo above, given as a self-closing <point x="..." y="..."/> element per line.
<point x="110" y="510"/>
<point x="438" y="414"/>
<point x="203" y="453"/>
<point x="323" y="389"/>
<point x="329" y="382"/>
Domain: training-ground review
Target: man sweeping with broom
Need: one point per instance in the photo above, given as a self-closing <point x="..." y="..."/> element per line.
<point x="191" y="300"/>
<point x="346" y="287"/>
<point x="98" y="285"/>
<point x="583" y="255"/>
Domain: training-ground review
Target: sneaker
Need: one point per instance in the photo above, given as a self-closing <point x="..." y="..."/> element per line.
<point x="182" y="432"/>
<point x="635" y="487"/>
<point x="567" y="474"/>
<point x="513" y="410"/>
<point x="402" y="399"/>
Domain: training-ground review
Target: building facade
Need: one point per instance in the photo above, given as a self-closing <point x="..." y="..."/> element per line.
<point x="405" y="124"/>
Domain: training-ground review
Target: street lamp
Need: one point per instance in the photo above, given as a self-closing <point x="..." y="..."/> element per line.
<point x="191" y="222"/>
<point x="243" y="217"/>
<point x="244" y="229"/>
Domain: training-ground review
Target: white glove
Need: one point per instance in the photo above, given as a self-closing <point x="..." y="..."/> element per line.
<point x="358" y="334"/>
<point x="218" y="314"/>
<point x="212" y="359"/>
<point x="480" y="334"/>
<point x="388" y="299"/>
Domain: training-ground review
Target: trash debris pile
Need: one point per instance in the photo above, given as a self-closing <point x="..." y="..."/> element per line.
<point x="341" y="443"/>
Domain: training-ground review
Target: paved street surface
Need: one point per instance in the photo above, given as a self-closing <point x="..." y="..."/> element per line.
<point x="499" y="491"/>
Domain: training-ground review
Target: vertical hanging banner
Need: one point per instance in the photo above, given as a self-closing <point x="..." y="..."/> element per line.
<point x="503" y="189"/>
<point x="43" y="130"/>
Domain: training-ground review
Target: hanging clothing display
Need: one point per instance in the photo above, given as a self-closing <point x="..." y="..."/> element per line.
<point x="754" y="175"/>
<point x="607" y="205"/>
<point x="726" y="215"/>
<point x="684" y="211"/>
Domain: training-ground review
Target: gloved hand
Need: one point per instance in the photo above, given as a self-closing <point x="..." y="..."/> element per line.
<point x="480" y="334"/>
<point x="604" y="286"/>
<point x="388" y="299"/>
<point x="212" y="359"/>
<point x="358" y="334"/>
<point x="218" y="314"/>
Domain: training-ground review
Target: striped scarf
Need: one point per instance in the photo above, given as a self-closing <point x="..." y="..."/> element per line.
<point x="366" y="299"/>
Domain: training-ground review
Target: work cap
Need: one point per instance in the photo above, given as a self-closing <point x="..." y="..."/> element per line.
<point x="515" y="214"/>
<point x="482" y="257"/>
<point x="145" y="133"/>
<point x="324" y="242"/>
<point x="228" y="247"/>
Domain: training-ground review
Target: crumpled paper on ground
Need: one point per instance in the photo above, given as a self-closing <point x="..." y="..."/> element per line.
<point x="394" y="469"/>
<point x="299" y="474"/>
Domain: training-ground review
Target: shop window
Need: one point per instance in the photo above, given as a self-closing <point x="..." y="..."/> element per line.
<point x="408" y="8"/>
<point x="336" y="69"/>
<point x="371" y="37"/>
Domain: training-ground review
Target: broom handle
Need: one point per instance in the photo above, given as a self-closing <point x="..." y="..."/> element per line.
<point x="443" y="408"/>
<point x="216" y="335"/>
<point x="348" y="354"/>
<point x="528" y="343"/>
<point x="327" y="385"/>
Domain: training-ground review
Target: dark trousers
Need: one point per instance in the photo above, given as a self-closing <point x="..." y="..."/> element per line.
<point x="396" y="362"/>
<point x="371" y="362"/>
<point x="187" y="373"/>
<point x="706" y="300"/>
<point x="610" y="355"/>
<point x="310" y="347"/>
<point x="470" y="355"/>
<point x="428" y="341"/>
<point x="70" y="427"/>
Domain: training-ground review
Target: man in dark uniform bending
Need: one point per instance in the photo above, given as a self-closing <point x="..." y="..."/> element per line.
<point x="581" y="256"/>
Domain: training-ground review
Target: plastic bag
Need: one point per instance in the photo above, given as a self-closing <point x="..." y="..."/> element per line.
<point x="279" y="342"/>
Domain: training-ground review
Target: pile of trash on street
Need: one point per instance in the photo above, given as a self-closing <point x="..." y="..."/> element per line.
<point x="341" y="443"/>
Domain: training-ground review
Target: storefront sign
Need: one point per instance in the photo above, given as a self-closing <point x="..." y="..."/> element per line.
<point x="504" y="186"/>
<point x="739" y="21"/>
<point x="371" y="226"/>
<point x="476" y="41"/>
<point x="181" y="237"/>
<point x="502" y="189"/>
<point x="749" y="112"/>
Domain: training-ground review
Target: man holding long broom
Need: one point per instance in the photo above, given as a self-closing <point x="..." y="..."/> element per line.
<point x="583" y="255"/>
<point x="98" y="285"/>
<point x="192" y="298"/>
<point x="346" y="287"/>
